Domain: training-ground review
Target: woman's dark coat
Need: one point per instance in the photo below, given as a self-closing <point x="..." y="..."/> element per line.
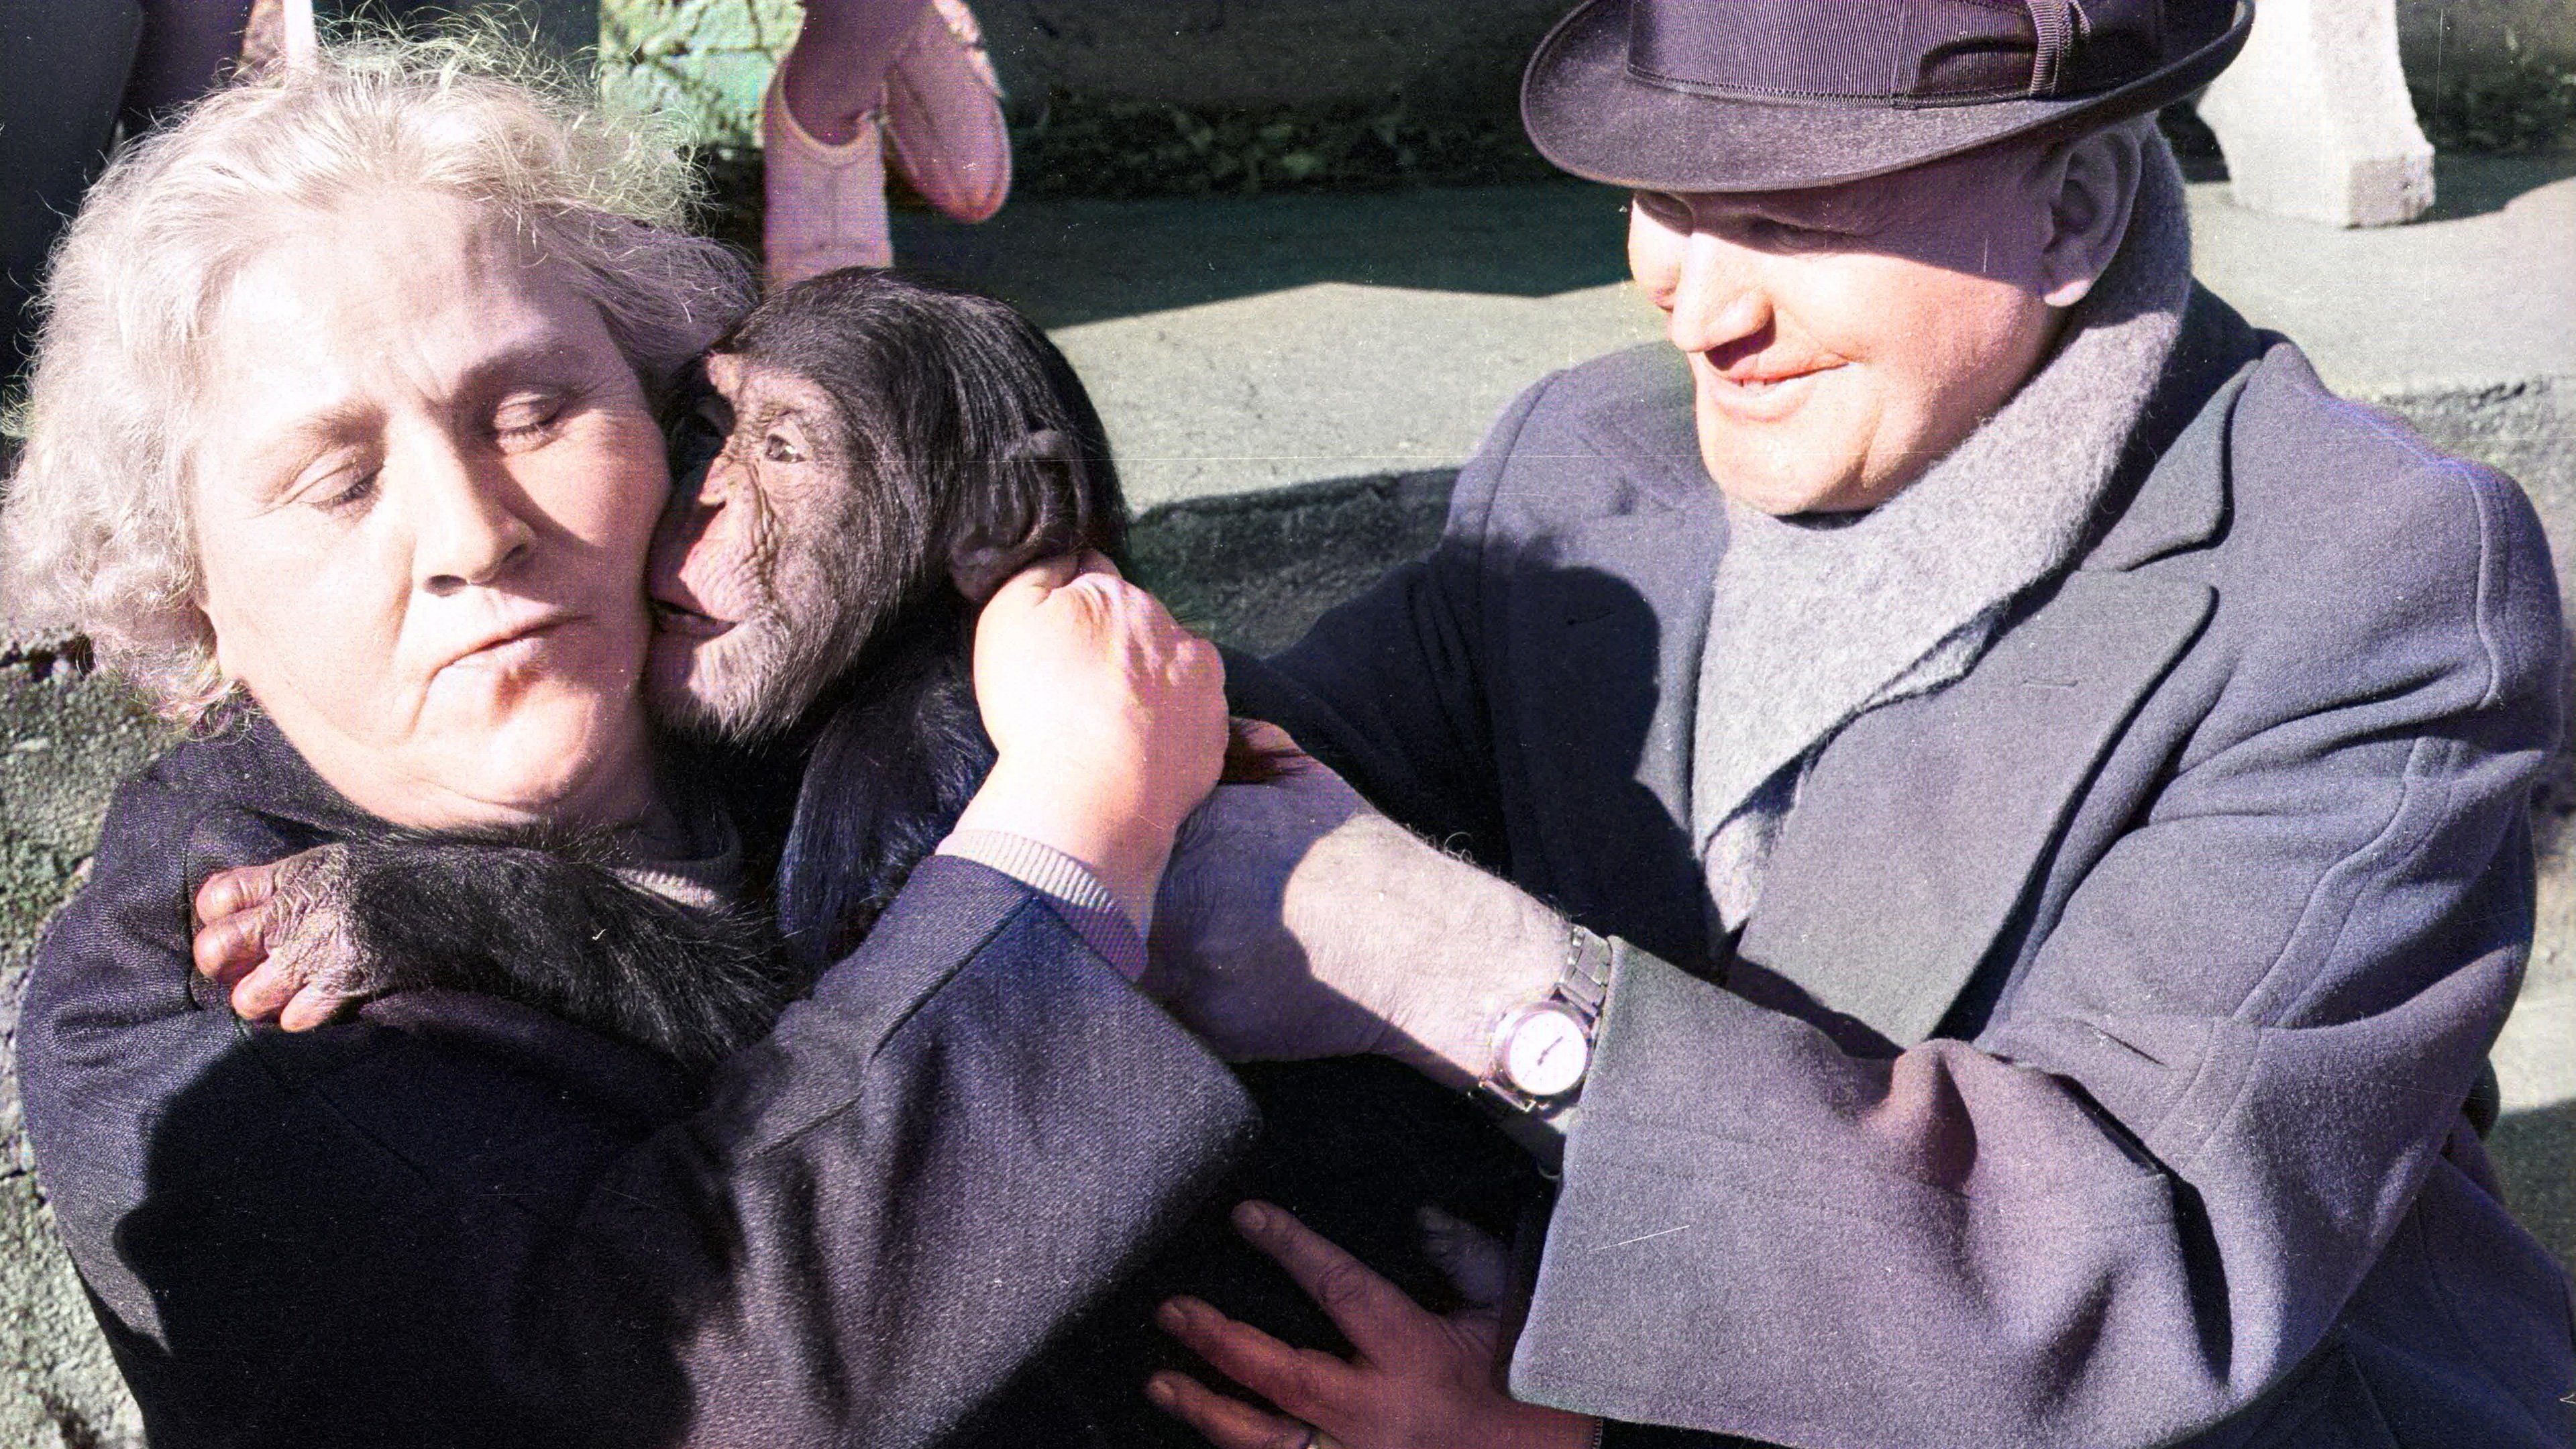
<point x="2093" y="1068"/>
<point x="455" y="1221"/>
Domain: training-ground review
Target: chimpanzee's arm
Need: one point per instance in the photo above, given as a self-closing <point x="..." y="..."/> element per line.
<point x="553" y="928"/>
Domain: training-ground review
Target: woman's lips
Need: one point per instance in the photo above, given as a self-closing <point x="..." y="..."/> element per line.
<point x="514" y="648"/>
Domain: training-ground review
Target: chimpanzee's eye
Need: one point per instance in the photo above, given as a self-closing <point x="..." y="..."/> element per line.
<point x="778" y="450"/>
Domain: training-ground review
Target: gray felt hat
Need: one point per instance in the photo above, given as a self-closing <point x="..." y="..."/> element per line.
<point x="1777" y="95"/>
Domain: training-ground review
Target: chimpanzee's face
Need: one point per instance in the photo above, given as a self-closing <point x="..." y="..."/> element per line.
<point x="750" y="577"/>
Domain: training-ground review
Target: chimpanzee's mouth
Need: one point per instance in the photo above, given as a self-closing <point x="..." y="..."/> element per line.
<point x="687" y="623"/>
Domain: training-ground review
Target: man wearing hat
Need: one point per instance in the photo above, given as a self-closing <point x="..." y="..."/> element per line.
<point x="2001" y="804"/>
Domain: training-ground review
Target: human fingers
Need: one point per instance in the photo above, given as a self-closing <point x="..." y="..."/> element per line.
<point x="1374" y="1314"/>
<point x="1034" y="582"/>
<point x="1315" y="1387"/>
<point x="1474" y="1261"/>
<point x="1227" y="1423"/>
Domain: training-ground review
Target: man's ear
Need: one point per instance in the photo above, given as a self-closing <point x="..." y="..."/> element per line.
<point x="2095" y="181"/>
<point x="1015" y="533"/>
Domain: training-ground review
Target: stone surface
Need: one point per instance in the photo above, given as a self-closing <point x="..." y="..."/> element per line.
<point x="2445" y="36"/>
<point x="2315" y="119"/>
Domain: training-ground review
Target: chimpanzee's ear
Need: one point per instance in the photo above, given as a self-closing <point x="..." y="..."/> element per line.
<point x="1006" y="535"/>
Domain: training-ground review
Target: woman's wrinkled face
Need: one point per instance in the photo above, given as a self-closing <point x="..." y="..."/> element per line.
<point x="422" y="510"/>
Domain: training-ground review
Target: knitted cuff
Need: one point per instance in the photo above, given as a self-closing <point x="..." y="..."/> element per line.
<point x="1068" y="885"/>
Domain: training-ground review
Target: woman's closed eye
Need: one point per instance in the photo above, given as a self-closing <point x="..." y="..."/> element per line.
<point x="526" y="418"/>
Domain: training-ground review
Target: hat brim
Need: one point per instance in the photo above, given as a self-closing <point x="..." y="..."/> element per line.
<point x="1587" y="114"/>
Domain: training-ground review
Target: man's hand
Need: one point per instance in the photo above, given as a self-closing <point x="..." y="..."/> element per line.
<point x="275" y="935"/>
<point x="1419" y="1382"/>
<point x="1296" y="922"/>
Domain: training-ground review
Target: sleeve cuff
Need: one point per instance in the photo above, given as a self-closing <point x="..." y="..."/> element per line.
<point x="1068" y="885"/>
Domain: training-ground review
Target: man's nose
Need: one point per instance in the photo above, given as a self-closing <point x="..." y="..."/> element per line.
<point x="471" y="530"/>
<point x="1719" y="297"/>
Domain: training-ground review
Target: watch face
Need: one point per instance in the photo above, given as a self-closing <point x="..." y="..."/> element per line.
<point x="1546" y="1054"/>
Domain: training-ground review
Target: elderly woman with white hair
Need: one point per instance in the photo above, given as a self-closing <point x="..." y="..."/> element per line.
<point x="342" y="445"/>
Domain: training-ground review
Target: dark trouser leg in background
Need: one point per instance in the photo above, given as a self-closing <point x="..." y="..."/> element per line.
<point x="63" y="71"/>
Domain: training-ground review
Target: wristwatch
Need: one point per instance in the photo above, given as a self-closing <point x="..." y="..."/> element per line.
<point x="1543" y="1049"/>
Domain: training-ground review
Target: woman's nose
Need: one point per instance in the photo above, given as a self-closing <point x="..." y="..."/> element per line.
<point x="471" y="532"/>
<point x="1719" y="297"/>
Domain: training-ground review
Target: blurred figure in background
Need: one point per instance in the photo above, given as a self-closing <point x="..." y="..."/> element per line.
<point x="867" y="77"/>
<point x="71" y="73"/>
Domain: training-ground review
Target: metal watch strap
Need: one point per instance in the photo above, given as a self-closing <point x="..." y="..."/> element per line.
<point x="1581" y="986"/>
<point x="1584" y="984"/>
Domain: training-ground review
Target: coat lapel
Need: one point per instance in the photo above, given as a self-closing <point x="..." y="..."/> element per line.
<point x="1920" y="826"/>
<point x="1610" y="621"/>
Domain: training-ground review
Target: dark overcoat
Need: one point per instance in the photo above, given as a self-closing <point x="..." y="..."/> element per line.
<point x="457" y="1221"/>
<point x="2092" y="1070"/>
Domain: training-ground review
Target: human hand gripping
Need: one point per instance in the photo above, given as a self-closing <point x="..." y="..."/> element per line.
<point x="1418" y="1381"/>
<point x="1107" y="719"/>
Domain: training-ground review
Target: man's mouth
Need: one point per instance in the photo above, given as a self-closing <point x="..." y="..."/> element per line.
<point x="1762" y="393"/>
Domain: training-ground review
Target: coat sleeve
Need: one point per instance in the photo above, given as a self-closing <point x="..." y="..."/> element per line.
<point x="1386" y="688"/>
<point x="447" y="1232"/>
<point x="2147" y="1190"/>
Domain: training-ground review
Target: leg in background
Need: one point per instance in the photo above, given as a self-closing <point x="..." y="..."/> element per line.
<point x="63" y="71"/>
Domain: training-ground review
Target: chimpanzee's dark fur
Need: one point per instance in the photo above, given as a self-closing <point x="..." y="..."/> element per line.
<point x="545" y="921"/>
<point x="939" y="392"/>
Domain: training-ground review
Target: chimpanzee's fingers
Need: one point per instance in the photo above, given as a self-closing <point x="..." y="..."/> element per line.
<point x="1227" y="1423"/>
<point x="228" y="892"/>
<point x="311" y="1007"/>
<point x="265" y="992"/>
<point x="1093" y="561"/>
<point x="1375" y="1315"/>
<point x="231" y="945"/>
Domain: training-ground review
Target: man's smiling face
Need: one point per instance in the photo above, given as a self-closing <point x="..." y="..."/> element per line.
<point x="1843" y="339"/>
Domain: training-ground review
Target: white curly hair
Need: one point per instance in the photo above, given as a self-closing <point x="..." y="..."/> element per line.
<point x="95" y="529"/>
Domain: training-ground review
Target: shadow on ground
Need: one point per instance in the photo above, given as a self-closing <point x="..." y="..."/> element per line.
<point x="2535" y="1155"/>
<point x="1068" y="262"/>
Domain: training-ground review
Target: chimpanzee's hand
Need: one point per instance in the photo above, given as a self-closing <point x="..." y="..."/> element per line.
<point x="1419" y="1381"/>
<point x="1107" y="718"/>
<point x="1295" y="921"/>
<point x="277" y="936"/>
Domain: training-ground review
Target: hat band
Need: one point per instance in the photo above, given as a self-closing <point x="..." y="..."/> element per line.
<point x="1916" y="53"/>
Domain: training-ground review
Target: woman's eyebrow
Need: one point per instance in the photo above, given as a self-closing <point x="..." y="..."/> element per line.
<point x="544" y="353"/>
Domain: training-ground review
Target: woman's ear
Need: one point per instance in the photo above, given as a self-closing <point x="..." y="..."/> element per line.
<point x="1006" y="535"/>
<point x="2095" y="184"/>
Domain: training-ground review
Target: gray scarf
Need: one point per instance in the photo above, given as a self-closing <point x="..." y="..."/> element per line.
<point x="1811" y="625"/>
